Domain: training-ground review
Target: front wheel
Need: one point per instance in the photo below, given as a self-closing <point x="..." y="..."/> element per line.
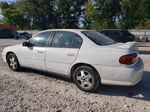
<point x="13" y="62"/>
<point x="86" y="78"/>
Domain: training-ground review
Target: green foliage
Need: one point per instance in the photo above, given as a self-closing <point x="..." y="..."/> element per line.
<point x="68" y="13"/>
<point x="94" y="14"/>
<point x="143" y="25"/>
<point x="107" y="13"/>
<point x="43" y="14"/>
<point x="38" y="12"/>
<point x="1" y="21"/>
<point x="134" y="13"/>
<point x="88" y="15"/>
<point x="12" y="16"/>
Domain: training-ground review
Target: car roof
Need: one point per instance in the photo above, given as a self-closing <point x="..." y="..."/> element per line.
<point x="72" y="30"/>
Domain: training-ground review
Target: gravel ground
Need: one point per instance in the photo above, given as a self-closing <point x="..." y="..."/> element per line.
<point x="35" y="91"/>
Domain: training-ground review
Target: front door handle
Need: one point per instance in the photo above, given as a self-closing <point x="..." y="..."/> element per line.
<point x="40" y="51"/>
<point x="70" y="54"/>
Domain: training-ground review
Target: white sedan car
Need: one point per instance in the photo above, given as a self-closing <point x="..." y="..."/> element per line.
<point x="88" y="57"/>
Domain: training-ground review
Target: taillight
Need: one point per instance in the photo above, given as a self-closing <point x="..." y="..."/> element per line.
<point x="128" y="59"/>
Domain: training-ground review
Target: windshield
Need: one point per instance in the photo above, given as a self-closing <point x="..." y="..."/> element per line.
<point x="98" y="38"/>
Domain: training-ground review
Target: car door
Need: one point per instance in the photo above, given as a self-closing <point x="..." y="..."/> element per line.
<point x="62" y="51"/>
<point x="33" y="56"/>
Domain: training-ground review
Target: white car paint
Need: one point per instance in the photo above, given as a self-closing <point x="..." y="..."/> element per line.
<point x="33" y="57"/>
<point x="105" y="59"/>
<point x="60" y="58"/>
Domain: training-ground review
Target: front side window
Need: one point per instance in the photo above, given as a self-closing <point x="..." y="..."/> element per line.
<point x="98" y="38"/>
<point x="40" y="40"/>
<point x="66" y="39"/>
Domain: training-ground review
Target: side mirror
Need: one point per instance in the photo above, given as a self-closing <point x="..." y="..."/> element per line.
<point x="25" y="44"/>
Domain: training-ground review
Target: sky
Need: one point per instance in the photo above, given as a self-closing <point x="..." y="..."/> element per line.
<point x="5" y="1"/>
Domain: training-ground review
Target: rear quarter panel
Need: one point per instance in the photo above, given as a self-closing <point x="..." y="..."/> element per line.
<point x="101" y="56"/>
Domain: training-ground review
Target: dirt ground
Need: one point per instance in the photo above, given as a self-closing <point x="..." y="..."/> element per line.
<point x="35" y="91"/>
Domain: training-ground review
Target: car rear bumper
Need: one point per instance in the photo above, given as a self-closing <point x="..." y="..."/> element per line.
<point x="125" y="76"/>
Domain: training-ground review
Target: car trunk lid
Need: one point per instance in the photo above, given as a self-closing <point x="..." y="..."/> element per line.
<point x="131" y="46"/>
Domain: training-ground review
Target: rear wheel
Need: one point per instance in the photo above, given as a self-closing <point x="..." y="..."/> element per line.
<point x="13" y="62"/>
<point x="86" y="78"/>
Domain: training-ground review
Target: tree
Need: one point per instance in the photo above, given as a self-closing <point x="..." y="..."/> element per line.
<point x="96" y="14"/>
<point x="134" y="14"/>
<point x="143" y="25"/>
<point x="68" y="13"/>
<point x="107" y="13"/>
<point x="43" y="14"/>
<point x="12" y="16"/>
<point x="88" y="15"/>
<point x="1" y="21"/>
<point x="131" y="14"/>
<point x="39" y="13"/>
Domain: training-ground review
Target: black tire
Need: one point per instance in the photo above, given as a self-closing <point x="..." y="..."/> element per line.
<point x="13" y="62"/>
<point x="88" y="82"/>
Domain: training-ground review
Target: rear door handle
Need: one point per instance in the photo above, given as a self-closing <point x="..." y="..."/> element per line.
<point x="70" y="54"/>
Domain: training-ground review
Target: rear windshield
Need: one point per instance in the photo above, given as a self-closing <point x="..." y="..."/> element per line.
<point x="98" y="38"/>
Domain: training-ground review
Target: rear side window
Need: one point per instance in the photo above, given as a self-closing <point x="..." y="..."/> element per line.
<point x="64" y="39"/>
<point x="77" y="42"/>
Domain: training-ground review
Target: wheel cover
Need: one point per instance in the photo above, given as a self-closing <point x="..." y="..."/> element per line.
<point x="12" y="62"/>
<point x="85" y="79"/>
